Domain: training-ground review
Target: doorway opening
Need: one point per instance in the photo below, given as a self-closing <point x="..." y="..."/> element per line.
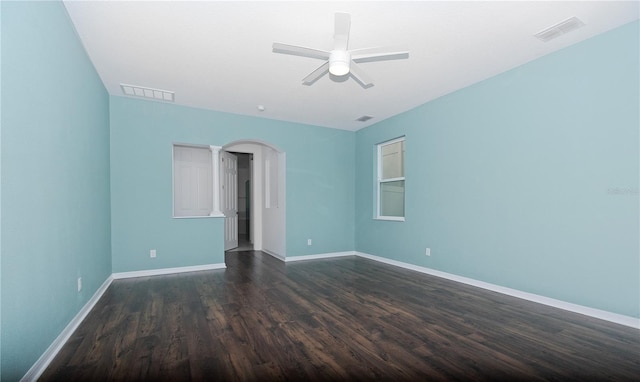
<point x="244" y="201"/>
<point x="253" y="189"/>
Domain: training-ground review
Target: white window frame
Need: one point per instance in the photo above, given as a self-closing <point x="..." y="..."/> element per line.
<point x="379" y="180"/>
<point x="215" y="181"/>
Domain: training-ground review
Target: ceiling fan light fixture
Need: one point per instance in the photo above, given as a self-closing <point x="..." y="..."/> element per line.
<point x="339" y="62"/>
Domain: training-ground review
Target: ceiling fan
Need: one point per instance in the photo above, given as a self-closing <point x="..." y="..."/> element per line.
<point x="341" y="61"/>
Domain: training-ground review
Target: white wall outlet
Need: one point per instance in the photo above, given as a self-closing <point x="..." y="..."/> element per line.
<point x="309" y="242"/>
<point x="152" y="253"/>
<point x="427" y="252"/>
<point x="79" y="284"/>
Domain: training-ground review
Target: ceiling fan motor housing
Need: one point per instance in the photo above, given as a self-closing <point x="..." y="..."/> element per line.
<point x="339" y="62"/>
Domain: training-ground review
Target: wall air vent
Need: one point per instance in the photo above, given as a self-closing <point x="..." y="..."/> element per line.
<point x="364" y="118"/>
<point x="568" y="25"/>
<point x="140" y="91"/>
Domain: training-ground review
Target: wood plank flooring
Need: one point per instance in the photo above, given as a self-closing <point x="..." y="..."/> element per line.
<point x="339" y="319"/>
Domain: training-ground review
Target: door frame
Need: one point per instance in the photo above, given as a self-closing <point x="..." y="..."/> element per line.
<point x="272" y="240"/>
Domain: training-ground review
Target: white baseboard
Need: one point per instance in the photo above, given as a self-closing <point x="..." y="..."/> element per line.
<point x="320" y="256"/>
<point x="273" y="254"/>
<point x="167" y="271"/>
<point x="45" y="359"/>
<point x="591" y="312"/>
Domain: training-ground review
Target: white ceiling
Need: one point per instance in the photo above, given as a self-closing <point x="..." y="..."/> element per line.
<point x="218" y="55"/>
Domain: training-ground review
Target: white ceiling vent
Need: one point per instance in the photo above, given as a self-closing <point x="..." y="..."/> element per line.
<point x="364" y="118"/>
<point x="140" y="91"/>
<point x="564" y="27"/>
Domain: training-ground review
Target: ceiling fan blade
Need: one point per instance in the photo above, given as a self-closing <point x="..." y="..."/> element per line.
<point x="378" y="54"/>
<point x="316" y="74"/>
<point x="341" y="31"/>
<point x="359" y="75"/>
<point x="300" y="51"/>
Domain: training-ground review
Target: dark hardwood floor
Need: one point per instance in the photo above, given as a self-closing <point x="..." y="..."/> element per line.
<point x="340" y="319"/>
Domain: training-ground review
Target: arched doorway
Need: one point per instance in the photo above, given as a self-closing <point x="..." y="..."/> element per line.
<point x="268" y="196"/>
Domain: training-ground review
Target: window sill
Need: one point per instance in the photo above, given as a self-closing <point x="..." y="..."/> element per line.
<point x="389" y="218"/>
<point x="213" y="215"/>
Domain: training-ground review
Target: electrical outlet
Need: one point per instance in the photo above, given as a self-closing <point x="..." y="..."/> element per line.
<point x="152" y="253"/>
<point x="309" y="241"/>
<point x="427" y="252"/>
<point x="79" y="284"/>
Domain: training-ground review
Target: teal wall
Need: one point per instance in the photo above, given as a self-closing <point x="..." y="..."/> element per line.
<point x="527" y="180"/>
<point x="55" y="180"/>
<point x="0" y="193"/>
<point x="319" y="183"/>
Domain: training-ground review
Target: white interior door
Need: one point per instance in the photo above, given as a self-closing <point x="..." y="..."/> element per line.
<point x="229" y="198"/>
<point x="273" y="216"/>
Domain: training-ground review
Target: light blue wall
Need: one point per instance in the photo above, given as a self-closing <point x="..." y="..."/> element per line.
<point x="319" y="176"/>
<point x="0" y="192"/>
<point x="55" y="180"/>
<point x="527" y="180"/>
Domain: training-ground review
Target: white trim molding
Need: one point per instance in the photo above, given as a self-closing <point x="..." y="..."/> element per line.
<point x="167" y="271"/>
<point x="585" y="310"/>
<point x="45" y="359"/>
<point x="320" y="256"/>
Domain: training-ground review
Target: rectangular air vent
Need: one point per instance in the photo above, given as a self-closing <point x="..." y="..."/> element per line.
<point x="141" y="91"/>
<point x="364" y="118"/>
<point x="559" y="29"/>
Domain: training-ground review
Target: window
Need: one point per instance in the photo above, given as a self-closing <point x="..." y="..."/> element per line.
<point x="195" y="181"/>
<point x="390" y="183"/>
